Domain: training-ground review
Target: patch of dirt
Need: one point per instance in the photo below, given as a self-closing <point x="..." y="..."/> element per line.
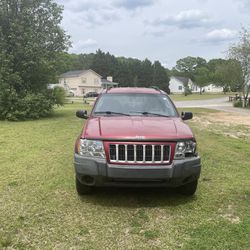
<point x="229" y="214"/>
<point x="229" y="124"/>
<point x="231" y="118"/>
<point x="223" y="117"/>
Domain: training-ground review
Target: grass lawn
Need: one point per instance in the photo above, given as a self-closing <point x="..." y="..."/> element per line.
<point x="197" y="96"/>
<point x="39" y="207"/>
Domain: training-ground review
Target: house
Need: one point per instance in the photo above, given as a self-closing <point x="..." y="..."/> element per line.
<point x="212" y="88"/>
<point x="80" y="82"/>
<point x="107" y="83"/>
<point x="177" y="84"/>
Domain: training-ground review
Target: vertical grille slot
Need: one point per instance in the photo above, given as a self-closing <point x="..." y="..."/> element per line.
<point x="121" y="152"/>
<point x="148" y="153"/>
<point x="139" y="153"/>
<point x="130" y="150"/>
<point x="112" y="152"/>
<point x="166" y="153"/>
<point x="157" y="153"/>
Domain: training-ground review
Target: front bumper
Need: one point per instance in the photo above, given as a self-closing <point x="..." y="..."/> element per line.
<point x="97" y="172"/>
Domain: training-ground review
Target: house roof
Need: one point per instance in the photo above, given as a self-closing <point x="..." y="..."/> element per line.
<point x="76" y="73"/>
<point x="182" y="79"/>
<point x="105" y="81"/>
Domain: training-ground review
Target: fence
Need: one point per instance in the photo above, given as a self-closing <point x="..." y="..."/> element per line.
<point x="239" y="98"/>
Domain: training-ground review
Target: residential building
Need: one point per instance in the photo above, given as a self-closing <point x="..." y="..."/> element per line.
<point x="107" y="83"/>
<point x="80" y="82"/>
<point x="212" y="88"/>
<point x="177" y="84"/>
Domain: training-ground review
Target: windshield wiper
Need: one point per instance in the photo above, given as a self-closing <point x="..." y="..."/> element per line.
<point x="149" y="113"/>
<point x="111" y="113"/>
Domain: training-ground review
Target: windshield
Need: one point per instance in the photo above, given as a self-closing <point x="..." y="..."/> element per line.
<point x="135" y="104"/>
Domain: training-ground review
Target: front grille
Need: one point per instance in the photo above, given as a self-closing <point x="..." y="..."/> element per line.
<point x="139" y="153"/>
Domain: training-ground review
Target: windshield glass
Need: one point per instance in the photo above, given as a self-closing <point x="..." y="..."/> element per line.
<point x="135" y="104"/>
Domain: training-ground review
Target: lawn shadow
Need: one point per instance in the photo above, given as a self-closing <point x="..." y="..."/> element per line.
<point x="137" y="197"/>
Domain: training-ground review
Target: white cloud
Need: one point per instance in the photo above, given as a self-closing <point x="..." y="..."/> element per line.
<point x="133" y="4"/>
<point x="220" y="35"/>
<point x="80" y="5"/>
<point x="244" y="5"/>
<point x="186" y="19"/>
<point x="173" y="30"/>
<point x="82" y="45"/>
<point x="89" y="13"/>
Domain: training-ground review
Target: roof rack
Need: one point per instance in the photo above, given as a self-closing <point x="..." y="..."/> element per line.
<point x="107" y="89"/>
<point x="156" y="88"/>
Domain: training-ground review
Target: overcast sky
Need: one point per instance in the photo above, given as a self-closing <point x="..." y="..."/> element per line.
<point x="164" y="30"/>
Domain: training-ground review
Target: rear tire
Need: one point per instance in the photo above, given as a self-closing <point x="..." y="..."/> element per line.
<point x="83" y="189"/>
<point x="189" y="188"/>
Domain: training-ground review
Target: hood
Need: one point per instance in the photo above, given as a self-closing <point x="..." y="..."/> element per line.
<point x="136" y="128"/>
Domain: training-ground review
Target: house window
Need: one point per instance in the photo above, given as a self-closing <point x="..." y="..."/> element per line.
<point x="180" y="88"/>
<point x="83" y="80"/>
<point x="64" y="81"/>
<point x="96" y="81"/>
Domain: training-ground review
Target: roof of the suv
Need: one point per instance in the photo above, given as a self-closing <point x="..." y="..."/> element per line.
<point x="134" y="90"/>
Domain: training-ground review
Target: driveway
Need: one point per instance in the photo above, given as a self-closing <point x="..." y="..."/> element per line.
<point x="221" y="104"/>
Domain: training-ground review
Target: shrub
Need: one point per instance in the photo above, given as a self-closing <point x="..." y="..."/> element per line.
<point x="59" y="95"/>
<point x="187" y="91"/>
<point x="30" y="105"/>
<point x="238" y="103"/>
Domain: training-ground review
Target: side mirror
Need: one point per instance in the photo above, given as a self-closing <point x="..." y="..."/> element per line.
<point x="186" y="115"/>
<point x="82" y="114"/>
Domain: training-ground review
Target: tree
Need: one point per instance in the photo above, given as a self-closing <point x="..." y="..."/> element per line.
<point x="104" y="64"/>
<point x="229" y="75"/>
<point x="160" y="77"/>
<point x="241" y="53"/>
<point x="194" y="68"/>
<point x="128" y="72"/>
<point x="145" y="76"/>
<point x="188" y="65"/>
<point x="30" y="41"/>
<point x="214" y="63"/>
<point x="201" y="77"/>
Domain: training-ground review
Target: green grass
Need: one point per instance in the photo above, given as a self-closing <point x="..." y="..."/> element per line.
<point x="196" y="96"/>
<point x="39" y="208"/>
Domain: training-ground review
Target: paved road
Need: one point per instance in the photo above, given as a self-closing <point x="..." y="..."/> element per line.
<point x="217" y="103"/>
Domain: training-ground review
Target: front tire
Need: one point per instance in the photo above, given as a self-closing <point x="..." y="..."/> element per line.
<point x="189" y="189"/>
<point x="83" y="189"/>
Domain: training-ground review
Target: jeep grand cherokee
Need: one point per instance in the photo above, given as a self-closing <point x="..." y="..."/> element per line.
<point x="135" y="137"/>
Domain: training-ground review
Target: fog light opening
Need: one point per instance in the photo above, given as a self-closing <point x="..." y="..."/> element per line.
<point x="187" y="179"/>
<point x="88" y="180"/>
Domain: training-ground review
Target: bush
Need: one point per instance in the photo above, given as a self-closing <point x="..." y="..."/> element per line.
<point x="14" y="107"/>
<point x="59" y="95"/>
<point x="187" y="91"/>
<point x="238" y="103"/>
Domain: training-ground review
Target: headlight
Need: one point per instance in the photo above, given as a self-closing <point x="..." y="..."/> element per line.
<point x="91" y="148"/>
<point x="184" y="149"/>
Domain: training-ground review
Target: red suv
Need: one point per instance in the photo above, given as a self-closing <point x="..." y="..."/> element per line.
<point x="135" y="137"/>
